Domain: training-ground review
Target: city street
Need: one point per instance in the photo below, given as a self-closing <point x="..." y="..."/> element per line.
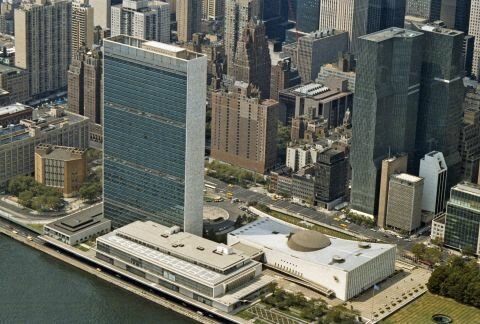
<point x="325" y="217"/>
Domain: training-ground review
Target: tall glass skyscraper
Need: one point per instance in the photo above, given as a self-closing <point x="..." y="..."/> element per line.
<point x="154" y="133"/>
<point x="385" y="108"/>
<point x="441" y="98"/>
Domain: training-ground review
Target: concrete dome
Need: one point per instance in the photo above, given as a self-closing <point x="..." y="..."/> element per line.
<point x="308" y="241"/>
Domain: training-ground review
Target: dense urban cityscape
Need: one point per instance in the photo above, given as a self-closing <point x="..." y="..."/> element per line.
<point x="240" y="161"/>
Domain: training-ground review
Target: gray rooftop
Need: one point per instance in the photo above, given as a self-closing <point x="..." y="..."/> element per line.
<point x="390" y="33"/>
<point x="79" y="220"/>
<point x="56" y="152"/>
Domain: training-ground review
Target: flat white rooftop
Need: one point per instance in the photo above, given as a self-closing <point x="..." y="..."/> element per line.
<point x="273" y="234"/>
<point x="11" y="109"/>
<point x="408" y="177"/>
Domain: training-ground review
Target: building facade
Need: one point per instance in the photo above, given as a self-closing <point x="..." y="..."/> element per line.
<point x="154" y="133"/>
<point x="308" y="15"/>
<point x="238" y="13"/>
<point x="462" y="227"/>
<point x="404" y="207"/>
<point x="390" y="166"/>
<point x="244" y="128"/>
<point x="15" y="81"/>
<point x="252" y="63"/>
<point x="43" y="44"/>
<point x="434" y="170"/>
<point x="385" y="108"/>
<point x="54" y="126"/>
<point x="60" y="167"/>
<point x="213" y="274"/>
<point x="12" y="114"/>
<point x="213" y="9"/>
<point x="470" y="137"/>
<point x="474" y="30"/>
<point x="82" y="25"/>
<point x="441" y="98"/>
<point x="330" y="177"/>
<point x="189" y="17"/>
<point x="149" y="20"/>
<point x="317" y="49"/>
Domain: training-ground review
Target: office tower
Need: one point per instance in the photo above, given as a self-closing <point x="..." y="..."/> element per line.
<point x="213" y="9"/>
<point x="43" y="44"/>
<point x="283" y="76"/>
<point x="456" y="14"/>
<point x="154" y="133"/>
<point x="468" y="52"/>
<point x="101" y="13"/>
<point x="347" y="15"/>
<point x="69" y="166"/>
<point x="308" y="14"/>
<point x="385" y="107"/>
<point x="383" y="14"/>
<point x="238" y="13"/>
<point x="390" y="166"/>
<point x="474" y="30"/>
<point x="82" y="25"/>
<point x="463" y="217"/>
<point x="85" y="84"/>
<point x="189" y="17"/>
<point x="404" y="208"/>
<point x="252" y="62"/>
<point x="149" y="20"/>
<point x="7" y="18"/>
<point x="53" y="126"/>
<point x="99" y="34"/>
<point x="470" y="137"/>
<point x="441" y="97"/>
<point x="244" y="128"/>
<point x="330" y="177"/>
<point x="317" y="49"/>
<point x="434" y="170"/>
<point x="429" y="9"/>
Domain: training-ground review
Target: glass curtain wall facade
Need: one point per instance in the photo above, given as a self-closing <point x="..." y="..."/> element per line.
<point x="441" y="99"/>
<point x="385" y="105"/>
<point x="463" y="217"/>
<point x="308" y="15"/>
<point x="154" y="117"/>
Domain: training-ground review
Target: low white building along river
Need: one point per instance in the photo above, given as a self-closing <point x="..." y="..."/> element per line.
<point x="212" y="273"/>
<point x="333" y="266"/>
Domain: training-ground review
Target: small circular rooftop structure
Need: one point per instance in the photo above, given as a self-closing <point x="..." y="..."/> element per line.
<point x="308" y="241"/>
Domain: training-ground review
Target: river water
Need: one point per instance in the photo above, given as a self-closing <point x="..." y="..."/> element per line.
<point x="37" y="288"/>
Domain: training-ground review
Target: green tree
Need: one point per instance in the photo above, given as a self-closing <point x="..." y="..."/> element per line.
<point x="18" y="184"/>
<point x="418" y="250"/>
<point x="25" y="198"/>
<point x="283" y="138"/>
<point x="90" y="191"/>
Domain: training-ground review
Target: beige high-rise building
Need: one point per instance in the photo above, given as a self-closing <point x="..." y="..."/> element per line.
<point x="189" y="17"/>
<point x="43" y="43"/>
<point x="390" y="167"/>
<point x="238" y="14"/>
<point x="404" y="208"/>
<point x="347" y="15"/>
<point x="474" y="30"/>
<point x="82" y="25"/>
<point x="213" y="9"/>
<point x="244" y="128"/>
<point x="101" y="13"/>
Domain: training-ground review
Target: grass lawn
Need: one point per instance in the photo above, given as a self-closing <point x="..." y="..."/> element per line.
<point x="36" y="227"/>
<point x="422" y="309"/>
<point x="315" y="227"/>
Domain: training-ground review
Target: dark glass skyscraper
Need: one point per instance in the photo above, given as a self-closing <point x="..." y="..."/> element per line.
<point x="385" y="108"/>
<point x="463" y="217"/>
<point x="154" y="133"/>
<point x="383" y="14"/>
<point x="308" y="15"/>
<point x="441" y="97"/>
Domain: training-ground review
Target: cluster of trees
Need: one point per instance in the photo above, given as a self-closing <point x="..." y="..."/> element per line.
<point x="283" y="138"/>
<point x="91" y="191"/>
<point x="459" y="278"/>
<point x="360" y="220"/>
<point x="432" y="255"/>
<point x="245" y="219"/>
<point x="260" y="207"/>
<point x="34" y="195"/>
<point x="313" y="310"/>
<point x="232" y="174"/>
